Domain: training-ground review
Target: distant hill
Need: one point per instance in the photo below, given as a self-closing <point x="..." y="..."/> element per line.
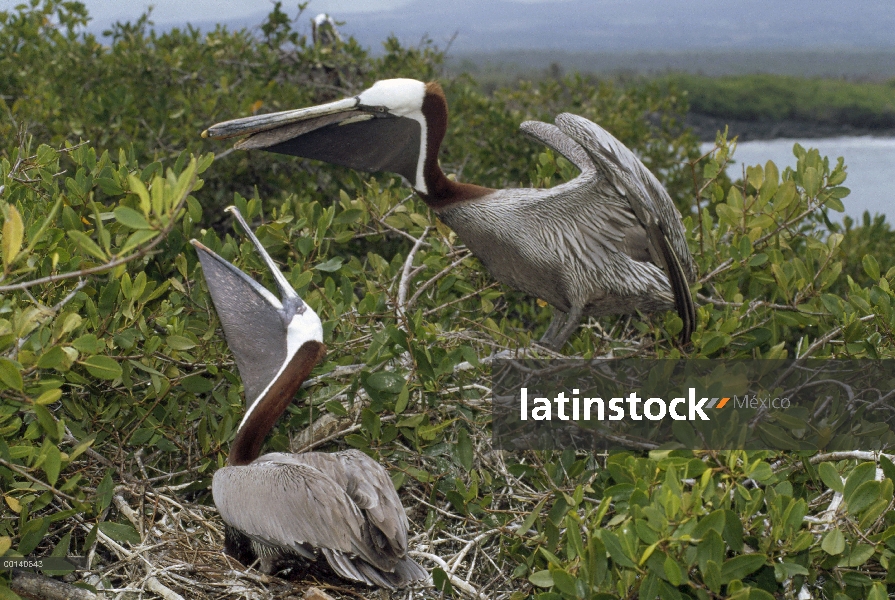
<point x="508" y="65"/>
<point x="634" y="25"/>
<point x="606" y="26"/>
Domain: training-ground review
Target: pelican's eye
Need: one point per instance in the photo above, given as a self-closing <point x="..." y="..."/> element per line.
<point x="377" y="110"/>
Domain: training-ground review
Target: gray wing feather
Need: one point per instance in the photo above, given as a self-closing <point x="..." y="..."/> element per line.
<point x="606" y="223"/>
<point x="551" y="136"/>
<point x="252" y="321"/>
<point x="307" y="501"/>
<point x="406" y="570"/>
<point x="646" y="195"/>
<point x="371" y="489"/>
<point x="667" y="243"/>
<point x="288" y="505"/>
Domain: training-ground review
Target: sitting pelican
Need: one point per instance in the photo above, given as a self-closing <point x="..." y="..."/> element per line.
<point x="608" y="242"/>
<point x="283" y="508"/>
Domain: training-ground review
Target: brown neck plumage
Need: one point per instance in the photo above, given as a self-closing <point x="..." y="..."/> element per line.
<point x="247" y="445"/>
<point x="441" y="191"/>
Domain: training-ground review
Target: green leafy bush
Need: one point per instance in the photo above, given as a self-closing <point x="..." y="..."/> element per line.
<point x="778" y="97"/>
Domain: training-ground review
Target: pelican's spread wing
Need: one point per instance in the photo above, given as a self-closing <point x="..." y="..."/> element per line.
<point x="251" y="318"/>
<point x="552" y="137"/>
<point x="649" y="201"/>
<point x="645" y="194"/>
<point x="606" y="224"/>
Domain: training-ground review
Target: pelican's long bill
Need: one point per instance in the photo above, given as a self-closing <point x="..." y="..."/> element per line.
<point x="259" y="123"/>
<point x="380" y="129"/>
<point x="265" y="333"/>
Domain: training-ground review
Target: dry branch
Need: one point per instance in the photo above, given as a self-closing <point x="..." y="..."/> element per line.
<point x="39" y="587"/>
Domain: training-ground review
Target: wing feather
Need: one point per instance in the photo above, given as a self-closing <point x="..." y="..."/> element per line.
<point x="552" y="137"/>
<point x="646" y="195"/>
<point x="286" y="504"/>
<point x="605" y="223"/>
<point x="371" y="489"/>
<point x="651" y="204"/>
<point x="286" y="501"/>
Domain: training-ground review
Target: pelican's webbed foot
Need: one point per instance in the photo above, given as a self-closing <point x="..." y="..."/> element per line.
<point x="573" y="320"/>
<point x="559" y="319"/>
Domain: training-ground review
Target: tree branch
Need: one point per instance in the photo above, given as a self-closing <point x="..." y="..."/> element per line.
<point x="41" y="587"/>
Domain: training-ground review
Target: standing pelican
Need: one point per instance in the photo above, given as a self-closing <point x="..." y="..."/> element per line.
<point x="282" y="508"/>
<point x="608" y="242"/>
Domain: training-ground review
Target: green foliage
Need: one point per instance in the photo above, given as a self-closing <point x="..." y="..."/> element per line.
<point x="677" y="526"/>
<point x="771" y="272"/>
<point x="119" y="394"/>
<point x="779" y="97"/>
<point x="864" y="245"/>
<point x="156" y="92"/>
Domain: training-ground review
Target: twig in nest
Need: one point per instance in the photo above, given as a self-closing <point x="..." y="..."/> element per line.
<point x="154" y="585"/>
<point x="458" y="583"/>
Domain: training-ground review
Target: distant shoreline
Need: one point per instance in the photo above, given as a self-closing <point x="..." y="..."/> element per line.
<point x="706" y="126"/>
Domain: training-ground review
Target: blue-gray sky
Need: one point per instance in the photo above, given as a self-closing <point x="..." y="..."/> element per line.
<point x="572" y="25"/>
<point x="176" y="12"/>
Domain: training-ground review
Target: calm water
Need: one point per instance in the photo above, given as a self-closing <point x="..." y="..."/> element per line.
<point x="870" y="163"/>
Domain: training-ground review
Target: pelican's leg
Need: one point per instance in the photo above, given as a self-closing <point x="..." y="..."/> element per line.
<point x="268" y="565"/>
<point x="559" y="317"/>
<point x="571" y="324"/>
<point x="238" y="545"/>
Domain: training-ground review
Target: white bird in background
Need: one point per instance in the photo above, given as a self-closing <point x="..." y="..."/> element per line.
<point x="324" y="31"/>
